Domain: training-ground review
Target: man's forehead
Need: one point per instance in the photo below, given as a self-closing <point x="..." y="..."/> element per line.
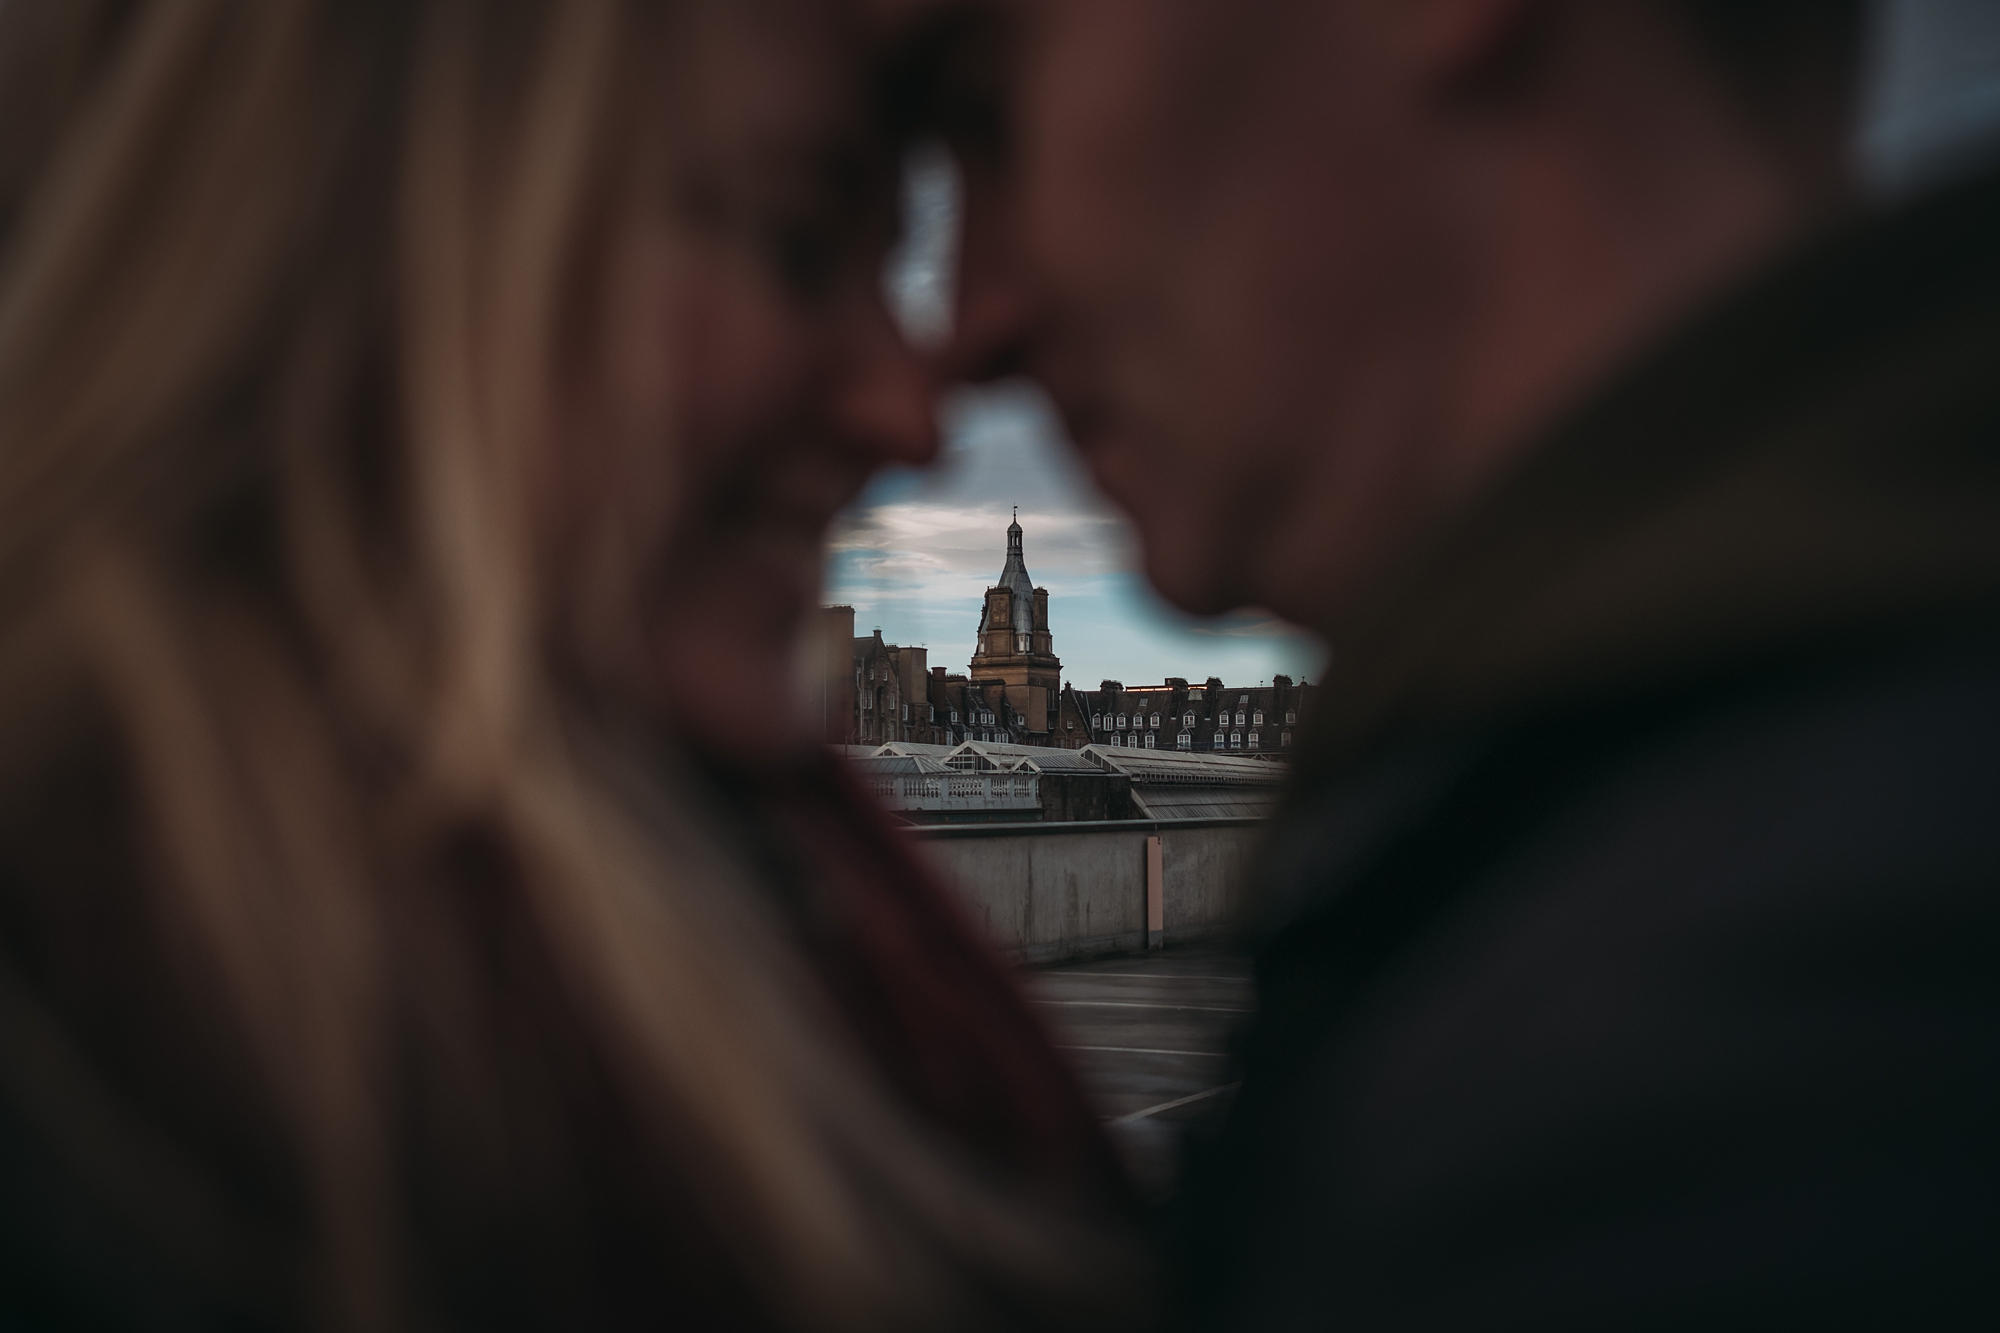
<point x="896" y="17"/>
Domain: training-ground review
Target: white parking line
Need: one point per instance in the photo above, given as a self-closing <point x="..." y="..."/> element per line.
<point x="1141" y="1050"/>
<point x="1142" y="1004"/>
<point x="1152" y="976"/>
<point x="1177" y="1102"/>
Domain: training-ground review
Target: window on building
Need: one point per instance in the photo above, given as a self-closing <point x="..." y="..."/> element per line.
<point x="1121" y="722"/>
<point x="1117" y="741"/>
<point x="1020" y="719"/>
<point x="954" y="715"/>
<point x="1291" y="719"/>
<point x="1185" y="741"/>
<point x="1239" y="719"/>
<point x="1149" y="740"/>
<point x="1221" y="740"/>
<point x="1253" y="740"/>
<point x="1156" y="719"/>
<point x="1235" y="740"/>
<point x="1258" y="718"/>
<point x="906" y="712"/>
<point x="1285" y="741"/>
<point x="1097" y="722"/>
<point x="1188" y="721"/>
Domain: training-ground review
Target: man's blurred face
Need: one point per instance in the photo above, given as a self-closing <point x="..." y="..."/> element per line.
<point x="1200" y="225"/>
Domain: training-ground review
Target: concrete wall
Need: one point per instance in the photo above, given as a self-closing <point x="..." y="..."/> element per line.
<point x="1047" y="892"/>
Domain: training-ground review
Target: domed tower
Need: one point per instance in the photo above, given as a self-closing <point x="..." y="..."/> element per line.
<point x="1014" y="646"/>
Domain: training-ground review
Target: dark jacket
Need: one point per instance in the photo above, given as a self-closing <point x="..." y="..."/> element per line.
<point x="1630" y="952"/>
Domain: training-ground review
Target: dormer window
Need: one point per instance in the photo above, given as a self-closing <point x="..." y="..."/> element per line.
<point x="1235" y="740"/>
<point x="954" y="715"/>
<point x="1188" y="721"/>
<point x="1149" y="740"/>
<point x="1259" y="718"/>
<point x="1253" y="740"/>
<point x="1185" y="741"/>
<point x="1291" y="719"/>
<point x="1221" y="740"/>
<point x="1096" y="722"/>
<point x="1239" y="719"/>
<point x="1121" y="722"/>
<point x="1285" y="741"/>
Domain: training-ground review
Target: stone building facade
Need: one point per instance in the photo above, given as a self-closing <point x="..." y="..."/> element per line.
<point x="872" y="692"/>
<point x="876" y="693"/>
<point x="1210" y="718"/>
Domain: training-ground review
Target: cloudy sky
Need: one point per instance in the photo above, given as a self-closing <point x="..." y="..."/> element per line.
<point x="917" y="552"/>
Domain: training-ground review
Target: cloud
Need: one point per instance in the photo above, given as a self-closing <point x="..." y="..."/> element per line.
<point x="1252" y="625"/>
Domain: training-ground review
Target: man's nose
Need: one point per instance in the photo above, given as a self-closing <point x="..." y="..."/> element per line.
<point x="995" y="311"/>
<point x="885" y="400"/>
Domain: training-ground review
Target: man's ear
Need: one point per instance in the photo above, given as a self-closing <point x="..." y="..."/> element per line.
<point x="1468" y="43"/>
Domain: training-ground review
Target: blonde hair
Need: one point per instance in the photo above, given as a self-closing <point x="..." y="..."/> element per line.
<point x="282" y="282"/>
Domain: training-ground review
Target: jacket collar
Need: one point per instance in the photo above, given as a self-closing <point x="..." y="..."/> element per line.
<point x="1817" y="457"/>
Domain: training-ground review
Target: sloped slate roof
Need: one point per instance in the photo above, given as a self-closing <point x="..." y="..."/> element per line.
<point x="1041" y="759"/>
<point x="1185" y="768"/>
<point x="893" y="765"/>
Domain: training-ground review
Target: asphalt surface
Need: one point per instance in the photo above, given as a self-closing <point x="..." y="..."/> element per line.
<point x="1149" y="1038"/>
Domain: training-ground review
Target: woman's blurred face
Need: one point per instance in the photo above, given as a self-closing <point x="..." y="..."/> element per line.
<point x="742" y="356"/>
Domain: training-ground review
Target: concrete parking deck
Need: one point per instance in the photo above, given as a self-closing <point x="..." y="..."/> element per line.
<point x="1149" y="1037"/>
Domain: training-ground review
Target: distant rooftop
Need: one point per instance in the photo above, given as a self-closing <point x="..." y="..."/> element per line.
<point x="1159" y="767"/>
